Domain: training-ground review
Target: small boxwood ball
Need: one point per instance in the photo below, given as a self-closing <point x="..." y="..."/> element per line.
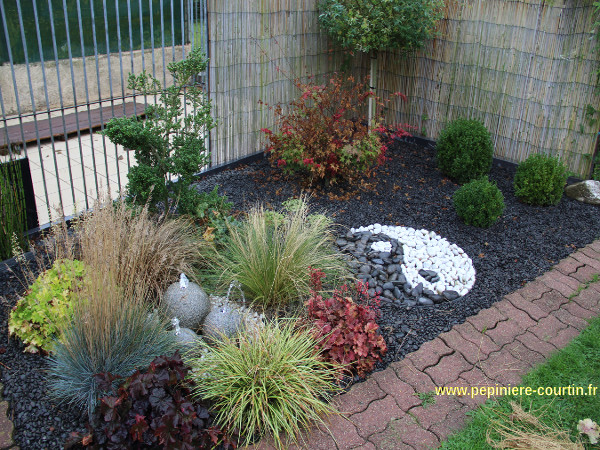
<point x="540" y="180"/>
<point x="190" y="305"/>
<point x="479" y="203"/>
<point x="464" y="150"/>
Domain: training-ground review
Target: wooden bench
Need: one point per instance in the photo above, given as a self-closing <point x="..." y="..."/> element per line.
<point x="96" y="119"/>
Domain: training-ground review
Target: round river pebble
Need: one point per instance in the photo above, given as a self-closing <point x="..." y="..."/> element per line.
<point x="408" y="266"/>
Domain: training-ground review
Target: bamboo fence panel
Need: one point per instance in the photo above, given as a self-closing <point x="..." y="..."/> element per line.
<point x="257" y="48"/>
<point x="525" y="68"/>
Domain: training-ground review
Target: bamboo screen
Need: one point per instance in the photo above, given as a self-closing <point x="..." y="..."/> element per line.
<point x="257" y="49"/>
<point x="526" y="69"/>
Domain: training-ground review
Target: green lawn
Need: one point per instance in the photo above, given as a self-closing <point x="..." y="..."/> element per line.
<point x="577" y="365"/>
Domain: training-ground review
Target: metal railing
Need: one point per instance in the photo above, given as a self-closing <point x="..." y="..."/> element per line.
<point x="63" y="74"/>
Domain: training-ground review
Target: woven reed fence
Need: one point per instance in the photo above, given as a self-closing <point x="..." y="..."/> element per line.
<point x="526" y="69"/>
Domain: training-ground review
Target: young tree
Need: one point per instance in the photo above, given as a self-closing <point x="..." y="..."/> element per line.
<point x="371" y="25"/>
<point x="168" y="143"/>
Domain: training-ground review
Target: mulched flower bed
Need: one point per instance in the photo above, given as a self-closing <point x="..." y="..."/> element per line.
<point x="409" y="191"/>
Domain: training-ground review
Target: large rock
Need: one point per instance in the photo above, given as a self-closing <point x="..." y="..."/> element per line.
<point x="586" y="191"/>
<point x="222" y="321"/>
<point x="188" y="302"/>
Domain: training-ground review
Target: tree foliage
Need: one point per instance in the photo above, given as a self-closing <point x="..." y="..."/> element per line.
<point x="370" y="25"/>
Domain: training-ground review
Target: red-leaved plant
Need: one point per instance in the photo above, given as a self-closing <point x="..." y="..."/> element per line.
<point x="326" y="136"/>
<point x="347" y="327"/>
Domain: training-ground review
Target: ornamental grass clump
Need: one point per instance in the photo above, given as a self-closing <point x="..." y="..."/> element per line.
<point x="465" y="150"/>
<point x="270" y="256"/>
<point x="479" y="203"/>
<point x="133" y="245"/>
<point x="272" y="382"/>
<point x="540" y="180"/>
<point x="111" y="330"/>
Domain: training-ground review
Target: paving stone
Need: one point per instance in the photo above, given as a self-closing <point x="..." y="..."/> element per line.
<point x="576" y="310"/>
<point x="528" y="357"/>
<point x="471" y="352"/>
<point x="547" y="328"/>
<point x="404" y="433"/>
<point x="403" y="393"/>
<point x="419" y="381"/>
<point x="448" y="369"/>
<point x="590" y="252"/>
<point x="455" y="420"/>
<point x="463" y="390"/>
<point x="595" y="245"/>
<point x="6" y="426"/>
<point x="551" y="301"/>
<point x="506" y="332"/>
<point x="533" y="290"/>
<point x="377" y="416"/>
<point x="429" y="354"/>
<point x="534" y="343"/>
<point x="483" y="342"/>
<point x="366" y="446"/>
<point x="595" y="286"/>
<point x="585" y="259"/>
<point x="503" y="368"/>
<point x="560" y="282"/>
<point x="514" y="314"/>
<point x="534" y="311"/>
<point x="486" y="319"/>
<point x="585" y="273"/>
<point x="359" y="397"/>
<point x="344" y="432"/>
<point x="568" y="266"/>
<point x="588" y="299"/>
<point x="567" y="318"/>
<point x="434" y="413"/>
<point x="565" y="336"/>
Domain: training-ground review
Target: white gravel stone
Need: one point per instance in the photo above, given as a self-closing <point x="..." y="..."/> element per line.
<point x="426" y="249"/>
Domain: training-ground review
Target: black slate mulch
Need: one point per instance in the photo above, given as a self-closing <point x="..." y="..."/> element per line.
<point x="408" y="191"/>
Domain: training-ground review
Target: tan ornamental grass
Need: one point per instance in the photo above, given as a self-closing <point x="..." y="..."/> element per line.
<point x="523" y="430"/>
<point x="133" y="245"/>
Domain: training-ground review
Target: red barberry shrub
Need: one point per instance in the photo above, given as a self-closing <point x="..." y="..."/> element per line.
<point x="346" y="322"/>
<point x="152" y="410"/>
<point x="325" y="134"/>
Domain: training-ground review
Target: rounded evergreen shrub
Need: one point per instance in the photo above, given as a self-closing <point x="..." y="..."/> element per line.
<point x="479" y="203"/>
<point x="465" y="150"/>
<point x="540" y="180"/>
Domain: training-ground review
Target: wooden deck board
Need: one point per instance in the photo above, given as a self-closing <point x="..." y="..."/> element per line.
<point x="97" y="117"/>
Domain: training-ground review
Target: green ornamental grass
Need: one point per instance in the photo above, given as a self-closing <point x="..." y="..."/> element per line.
<point x="272" y="382"/>
<point x="270" y="255"/>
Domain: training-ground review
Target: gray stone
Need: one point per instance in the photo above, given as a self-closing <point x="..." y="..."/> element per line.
<point x="186" y="339"/>
<point x="388" y="293"/>
<point x="397" y="293"/>
<point x="409" y="302"/>
<point x="378" y="261"/>
<point x="190" y="305"/>
<point x="222" y="321"/>
<point x="417" y="290"/>
<point x="424" y="301"/>
<point x="392" y="268"/>
<point x="437" y="299"/>
<point x="365" y="268"/>
<point x="372" y="292"/>
<point x="341" y="242"/>
<point x="587" y="191"/>
<point x="384" y="255"/>
<point x="388" y="286"/>
<point x="450" y="295"/>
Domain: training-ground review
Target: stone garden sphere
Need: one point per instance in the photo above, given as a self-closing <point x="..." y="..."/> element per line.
<point x="189" y="304"/>
<point x="186" y="339"/>
<point x="223" y="321"/>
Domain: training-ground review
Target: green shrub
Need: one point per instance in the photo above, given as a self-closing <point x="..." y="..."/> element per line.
<point x="36" y="318"/>
<point x="111" y="330"/>
<point x="212" y="215"/>
<point x="479" y="203"/>
<point x="269" y="254"/>
<point x="13" y="219"/>
<point x="168" y="144"/>
<point x="465" y="150"/>
<point x="270" y="382"/>
<point x="540" y="180"/>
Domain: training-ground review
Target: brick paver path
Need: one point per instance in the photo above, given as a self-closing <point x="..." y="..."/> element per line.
<point x="494" y="348"/>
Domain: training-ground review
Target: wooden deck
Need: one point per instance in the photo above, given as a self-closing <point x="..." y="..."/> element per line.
<point x="95" y="119"/>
